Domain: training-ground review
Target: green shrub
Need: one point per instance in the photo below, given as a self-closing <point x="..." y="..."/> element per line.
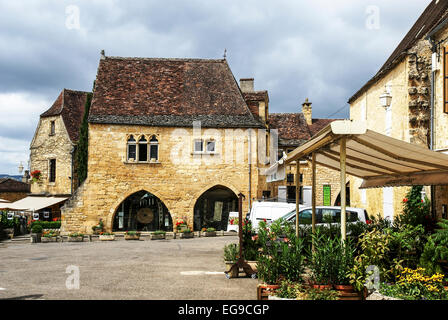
<point x="436" y="249"/>
<point x="159" y="232"/>
<point x="36" y="228"/>
<point x="231" y="252"/>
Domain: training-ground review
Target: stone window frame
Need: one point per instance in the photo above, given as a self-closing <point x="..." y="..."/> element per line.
<point x="136" y="142"/>
<point x="52" y="128"/>
<point x="205" y="143"/>
<point x="51" y="174"/>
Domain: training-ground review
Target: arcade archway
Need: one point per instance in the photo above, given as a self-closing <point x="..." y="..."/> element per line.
<point x="142" y="211"/>
<point x="212" y="208"/>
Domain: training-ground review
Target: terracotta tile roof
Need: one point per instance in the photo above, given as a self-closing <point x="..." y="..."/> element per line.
<point x="256" y="96"/>
<point x="293" y="129"/>
<point x="70" y="104"/>
<point x="12" y="185"/>
<point x="433" y="14"/>
<point x="319" y="124"/>
<point x="168" y="92"/>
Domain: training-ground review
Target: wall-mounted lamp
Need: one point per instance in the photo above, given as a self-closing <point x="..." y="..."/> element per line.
<point x="386" y="99"/>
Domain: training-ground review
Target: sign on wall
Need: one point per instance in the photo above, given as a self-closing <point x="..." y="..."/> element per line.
<point x="36" y="216"/>
<point x="327" y="195"/>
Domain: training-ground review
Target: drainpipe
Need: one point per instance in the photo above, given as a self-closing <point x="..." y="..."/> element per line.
<point x="72" y="152"/>
<point x="249" y="160"/>
<point x="431" y="129"/>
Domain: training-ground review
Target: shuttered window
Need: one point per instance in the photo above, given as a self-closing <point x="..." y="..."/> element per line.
<point x="445" y="80"/>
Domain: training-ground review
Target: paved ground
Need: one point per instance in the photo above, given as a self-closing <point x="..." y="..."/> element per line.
<point x="163" y="269"/>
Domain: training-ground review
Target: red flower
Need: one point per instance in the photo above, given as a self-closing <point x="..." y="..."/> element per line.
<point x="405" y="200"/>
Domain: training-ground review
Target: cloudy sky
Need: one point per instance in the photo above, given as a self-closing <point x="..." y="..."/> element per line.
<point x="324" y="50"/>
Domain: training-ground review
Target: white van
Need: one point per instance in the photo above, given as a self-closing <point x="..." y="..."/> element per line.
<point x="268" y="211"/>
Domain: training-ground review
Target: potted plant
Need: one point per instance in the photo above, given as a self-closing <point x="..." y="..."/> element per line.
<point x="76" y="237"/>
<point x="49" y="236"/>
<point x="107" y="236"/>
<point x="36" y="233"/>
<point x="209" y="232"/>
<point x="132" y="235"/>
<point x="181" y="225"/>
<point x="230" y="257"/>
<point x="8" y="225"/>
<point x="98" y="228"/>
<point x="323" y="260"/>
<point x="157" y="235"/>
<point x="186" y="233"/>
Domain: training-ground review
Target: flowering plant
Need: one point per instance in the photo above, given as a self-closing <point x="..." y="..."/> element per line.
<point x="35" y="175"/>
<point x="414" y="284"/>
<point x="233" y="221"/>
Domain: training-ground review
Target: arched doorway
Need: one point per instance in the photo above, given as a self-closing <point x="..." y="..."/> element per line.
<point x="142" y="211"/>
<point x="212" y="208"/>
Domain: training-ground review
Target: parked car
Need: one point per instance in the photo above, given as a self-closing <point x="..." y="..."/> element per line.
<point x="325" y="215"/>
<point x="268" y="211"/>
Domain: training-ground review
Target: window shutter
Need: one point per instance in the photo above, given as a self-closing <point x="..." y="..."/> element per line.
<point x="445" y="80"/>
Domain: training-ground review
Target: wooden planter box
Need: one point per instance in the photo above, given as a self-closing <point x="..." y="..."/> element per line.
<point x="48" y="239"/>
<point x="131" y="237"/>
<point x="185" y="235"/>
<point x="75" y="239"/>
<point x="209" y="234"/>
<point x="109" y="237"/>
<point x="157" y="236"/>
<point x="264" y="291"/>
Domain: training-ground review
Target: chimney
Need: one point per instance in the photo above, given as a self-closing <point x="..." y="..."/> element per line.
<point x="307" y="111"/>
<point x="247" y="85"/>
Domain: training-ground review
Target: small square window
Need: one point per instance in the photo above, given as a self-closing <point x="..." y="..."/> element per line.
<point x="198" y="146"/>
<point x="210" y="146"/>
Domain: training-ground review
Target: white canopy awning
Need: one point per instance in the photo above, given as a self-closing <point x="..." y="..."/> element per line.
<point x="4" y="201"/>
<point x="34" y="203"/>
<point x="381" y="161"/>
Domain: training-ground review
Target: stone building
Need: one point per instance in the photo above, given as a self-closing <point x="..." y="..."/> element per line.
<point x="293" y="130"/>
<point x="53" y="148"/>
<point x="13" y="190"/>
<point x="416" y="113"/>
<point x="169" y="139"/>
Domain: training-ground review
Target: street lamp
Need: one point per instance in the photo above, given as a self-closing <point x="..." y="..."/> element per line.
<point x="20" y="167"/>
<point x="385" y="99"/>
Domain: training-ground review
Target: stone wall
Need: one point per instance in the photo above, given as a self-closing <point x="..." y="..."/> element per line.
<point x="178" y="180"/>
<point x="367" y="108"/>
<point x="324" y="176"/>
<point x="45" y="147"/>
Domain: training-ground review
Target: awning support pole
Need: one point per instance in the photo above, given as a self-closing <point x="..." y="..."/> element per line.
<point x="297" y="195"/>
<point x="343" y="189"/>
<point x="313" y="197"/>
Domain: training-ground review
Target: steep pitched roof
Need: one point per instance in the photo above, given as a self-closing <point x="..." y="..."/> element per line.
<point x="168" y="92"/>
<point x="12" y="185"/>
<point x="70" y="104"/>
<point x="432" y="15"/>
<point x="293" y="129"/>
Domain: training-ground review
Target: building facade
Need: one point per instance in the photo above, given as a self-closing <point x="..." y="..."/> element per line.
<point x="293" y="130"/>
<point x="415" y="114"/>
<point x="169" y="139"/>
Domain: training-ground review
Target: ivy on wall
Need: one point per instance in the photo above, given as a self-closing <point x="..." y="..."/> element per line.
<point x="83" y="143"/>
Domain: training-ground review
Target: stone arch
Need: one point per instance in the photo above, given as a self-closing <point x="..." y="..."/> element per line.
<point x="112" y="212"/>
<point x="211" y="208"/>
